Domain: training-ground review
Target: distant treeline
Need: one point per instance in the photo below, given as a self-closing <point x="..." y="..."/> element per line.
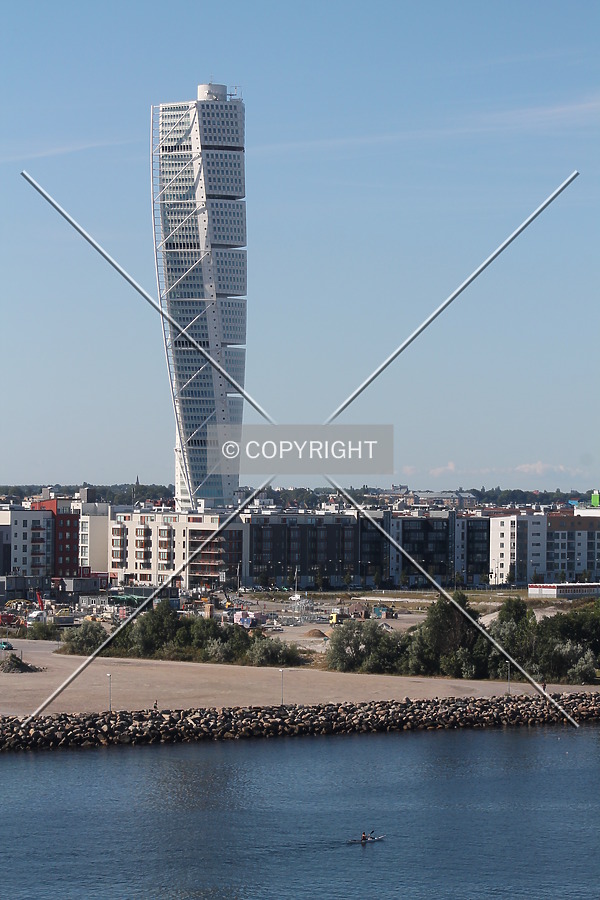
<point x="310" y="498"/>
<point x="112" y="493"/>
<point x="500" y="497"/>
<point x="303" y="497"/>
<point x="124" y="493"/>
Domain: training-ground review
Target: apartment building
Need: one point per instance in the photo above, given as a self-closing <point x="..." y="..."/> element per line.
<point x="453" y="549"/>
<point x="517" y="548"/>
<point x="32" y="542"/>
<point x="148" y="546"/>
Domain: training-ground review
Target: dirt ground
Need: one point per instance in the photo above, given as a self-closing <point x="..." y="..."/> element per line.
<point x="138" y="684"/>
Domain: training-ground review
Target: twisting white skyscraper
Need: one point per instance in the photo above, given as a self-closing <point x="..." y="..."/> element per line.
<point x="198" y="186"/>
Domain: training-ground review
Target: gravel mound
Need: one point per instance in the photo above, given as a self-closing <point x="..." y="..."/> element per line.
<point x="14" y="664"/>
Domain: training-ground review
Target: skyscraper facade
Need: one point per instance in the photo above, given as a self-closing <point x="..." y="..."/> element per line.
<point x="199" y="213"/>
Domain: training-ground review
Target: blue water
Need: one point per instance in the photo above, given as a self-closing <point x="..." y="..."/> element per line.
<point x="466" y="814"/>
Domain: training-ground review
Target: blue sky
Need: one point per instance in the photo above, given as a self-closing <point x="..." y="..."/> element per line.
<point x="390" y="148"/>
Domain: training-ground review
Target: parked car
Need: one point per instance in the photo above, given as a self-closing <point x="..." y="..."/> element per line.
<point x="6" y="645"/>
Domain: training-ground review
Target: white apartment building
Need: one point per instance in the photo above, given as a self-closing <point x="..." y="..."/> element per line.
<point x="517" y="548"/>
<point x="147" y="547"/>
<point x="93" y="542"/>
<point x="32" y="542"/>
<point x="573" y="546"/>
<point x="5" y="541"/>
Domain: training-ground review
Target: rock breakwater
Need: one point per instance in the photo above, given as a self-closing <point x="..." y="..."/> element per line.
<point x="119" y="728"/>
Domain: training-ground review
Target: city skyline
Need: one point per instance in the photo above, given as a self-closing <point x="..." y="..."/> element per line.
<point x="374" y="191"/>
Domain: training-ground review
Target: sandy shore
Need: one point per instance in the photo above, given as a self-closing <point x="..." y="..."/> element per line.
<point x="137" y="684"/>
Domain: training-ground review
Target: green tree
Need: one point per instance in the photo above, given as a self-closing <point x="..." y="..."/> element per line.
<point x="154" y="629"/>
<point x="514" y="609"/>
<point x="238" y="639"/>
<point x="263" y="578"/>
<point x="446" y="640"/>
<point x="122" y="644"/>
<point x="518" y="638"/>
<point x="204" y="630"/>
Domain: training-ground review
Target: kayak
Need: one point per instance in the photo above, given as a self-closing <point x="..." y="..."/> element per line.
<point x="367" y="840"/>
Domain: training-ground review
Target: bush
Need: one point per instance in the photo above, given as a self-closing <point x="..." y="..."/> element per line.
<point x="162" y="634"/>
<point x="584" y="670"/>
<point x="42" y="631"/>
<point x="265" y="651"/>
<point x="122" y="644"/>
<point x="85" y="639"/>
<point x="363" y="647"/>
<point x="218" y="651"/>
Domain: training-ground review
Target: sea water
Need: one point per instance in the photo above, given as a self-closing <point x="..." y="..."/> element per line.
<point x="466" y="814"/>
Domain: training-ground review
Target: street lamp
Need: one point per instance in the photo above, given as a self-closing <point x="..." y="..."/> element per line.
<point x="109" y="692"/>
<point x="282" y="671"/>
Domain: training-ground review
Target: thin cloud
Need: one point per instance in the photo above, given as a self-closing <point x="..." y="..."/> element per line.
<point x="541" y="468"/>
<point x="443" y="470"/>
<point x="541" y="117"/>
<point x="579" y="113"/>
<point x="63" y="150"/>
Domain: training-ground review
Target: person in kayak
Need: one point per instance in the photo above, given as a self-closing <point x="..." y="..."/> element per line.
<point x="364" y="836"/>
